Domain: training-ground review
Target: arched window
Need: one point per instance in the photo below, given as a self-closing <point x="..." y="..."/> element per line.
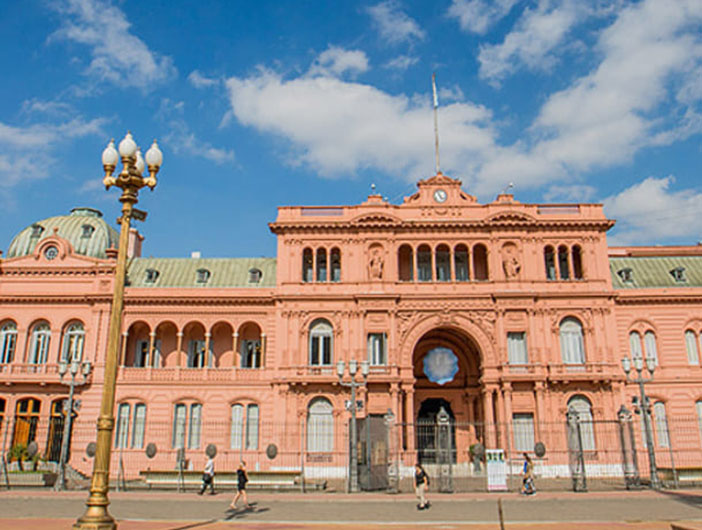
<point x="480" y="263"/>
<point x="691" y="347"/>
<point x="247" y="437"/>
<point x="139" y="426"/>
<point x="26" y="421"/>
<point x="635" y="345"/>
<point x="460" y="263"/>
<point x="550" y="263"/>
<point x="8" y="342"/>
<point x="424" y="263"/>
<point x="443" y="264"/>
<point x="563" y="262"/>
<point x="321" y="335"/>
<point x="193" y="423"/>
<point x="320" y="426"/>
<point x="307" y="269"/>
<point x="661" y="422"/>
<point x="405" y="264"/>
<point x="321" y="265"/>
<point x="572" y="344"/>
<point x="122" y="426"/>
<point x="39" y="346"/>
<point x="577" y="256"/>
<point x="73" y="340"/>
<point x="583" y="407"/>
<point x="650" y="344"/>
<point x="335" y="263"/>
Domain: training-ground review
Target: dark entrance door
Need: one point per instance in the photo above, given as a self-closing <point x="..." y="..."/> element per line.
<point x="373" y="457"/>
<point x="55" y="437"/>
<point x="427" y="432"/>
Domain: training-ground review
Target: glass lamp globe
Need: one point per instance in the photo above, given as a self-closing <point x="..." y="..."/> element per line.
<point x="127" y="147"/>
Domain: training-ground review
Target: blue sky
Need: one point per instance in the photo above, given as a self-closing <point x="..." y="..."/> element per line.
<point x="268" y="103"/>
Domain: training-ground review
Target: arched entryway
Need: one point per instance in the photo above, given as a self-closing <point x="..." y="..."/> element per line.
<point x="447" y="372"/>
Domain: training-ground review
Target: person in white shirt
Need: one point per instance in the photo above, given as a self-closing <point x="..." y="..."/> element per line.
<point x="208" y="477"/>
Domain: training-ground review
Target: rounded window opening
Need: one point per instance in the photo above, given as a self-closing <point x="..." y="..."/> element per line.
<point x="440" y="365"/>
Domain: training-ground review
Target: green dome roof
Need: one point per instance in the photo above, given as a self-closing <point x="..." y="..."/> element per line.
<point x="84" y="228"/>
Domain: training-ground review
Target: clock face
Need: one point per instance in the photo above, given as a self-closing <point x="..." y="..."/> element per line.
<point x="440" y="195"/>
<point x="51" y="252"/>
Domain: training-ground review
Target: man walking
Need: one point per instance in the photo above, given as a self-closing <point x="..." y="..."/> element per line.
<point x="208" y="476"/>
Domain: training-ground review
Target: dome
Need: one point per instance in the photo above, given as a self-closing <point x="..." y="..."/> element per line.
<point x="84" y="228"/>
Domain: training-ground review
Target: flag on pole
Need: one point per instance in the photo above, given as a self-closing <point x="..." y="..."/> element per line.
<point x="433" y="87"/>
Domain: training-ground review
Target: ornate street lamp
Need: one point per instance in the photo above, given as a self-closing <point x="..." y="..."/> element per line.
<point x="353" y="384"/>
<point x="130" y="180"/>
<point x="645" y="408"/>
<point x="75" y="367"/>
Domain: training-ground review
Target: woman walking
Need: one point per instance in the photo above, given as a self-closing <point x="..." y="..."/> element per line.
<point x="242" y="478"/>
<point x="421" y="483"/>
<point x="528" y="487"/>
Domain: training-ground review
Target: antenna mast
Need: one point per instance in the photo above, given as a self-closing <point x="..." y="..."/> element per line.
<point x="436" y="122"/>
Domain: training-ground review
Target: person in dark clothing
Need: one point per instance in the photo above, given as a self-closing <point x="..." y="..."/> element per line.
<point x="421" y="482"/>
<point x="242" y="478"/>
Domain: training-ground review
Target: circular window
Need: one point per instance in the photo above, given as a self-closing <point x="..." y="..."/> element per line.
<point x="440" y="365"/>
<point x="50" y="252"/>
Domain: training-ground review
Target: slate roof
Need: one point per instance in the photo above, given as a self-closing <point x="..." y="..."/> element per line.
<point x="655" y="271"/>
<point x="183" y="272"/>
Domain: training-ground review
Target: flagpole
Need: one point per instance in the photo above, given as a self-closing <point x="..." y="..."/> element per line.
<point x="436" y="122"/>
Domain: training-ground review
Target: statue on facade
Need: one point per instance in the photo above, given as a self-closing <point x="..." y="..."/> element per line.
<point x="510" y="263"/>
<point x="375" y="265"/>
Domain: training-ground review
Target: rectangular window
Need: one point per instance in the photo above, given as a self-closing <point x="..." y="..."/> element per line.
<point x="635" y="346"/>
<point x="661" y="422"/>
<point x="377" y="349"/>
<point x="139" y="426"/>
<point x="156" y="354"/>
<point x="122" y="428"/>
<point x="194" y="428"/>
<point x="251" y="354"/>
<point x="179" y="414"/>
<point x="517" y="348"/>
<point x="9" y="341"/>
<point x="691" y="346"/>
<point x="196" y="354"/>
<point x="650" y="344"/>
<point x="252" y="427"/>
<point x="237" y="426"/>
<point x="142" y="347"/>
<point x="698" y="407"/>
<point x="523" y="432"/>
<point x="326" y="350"/>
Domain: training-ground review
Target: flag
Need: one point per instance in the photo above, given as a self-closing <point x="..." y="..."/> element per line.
<point x="433" y="87"/>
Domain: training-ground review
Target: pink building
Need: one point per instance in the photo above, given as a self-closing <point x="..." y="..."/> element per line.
<point x="503" y="314"/>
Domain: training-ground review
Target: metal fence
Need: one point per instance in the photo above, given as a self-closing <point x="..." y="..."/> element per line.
<point x="586" y="455"/>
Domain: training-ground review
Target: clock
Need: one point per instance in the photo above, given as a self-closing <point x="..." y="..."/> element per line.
<point x="440" y="195"/>
<point x="51" y="252"/>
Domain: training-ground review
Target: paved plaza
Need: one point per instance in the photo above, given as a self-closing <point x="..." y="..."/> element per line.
<point x="47" y="510"/>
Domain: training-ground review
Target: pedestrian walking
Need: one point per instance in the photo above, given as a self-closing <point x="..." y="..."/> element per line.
<point x="242" y="478"/>
<point x="528" y="487"/>
<point x="208" y="476"/>
<point x="421" y="483"/>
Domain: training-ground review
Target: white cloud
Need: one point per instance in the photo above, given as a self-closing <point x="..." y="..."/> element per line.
<point x="650" y="210"/>
<point x="477" y="16"/>
<point x="200" y="81"/>
<point x="118" y="56"/>
<point x="570" y="193"/>
<point x="395" y="26"/>
<point x="339" y="127"/>
<point x="338" y="61"/>
<point x="401" y="62"/>
<point x="605" y="117"/>
<point x="181" y="139"/>
<point x="28" y="152"/>
<point x="537" y="33"/>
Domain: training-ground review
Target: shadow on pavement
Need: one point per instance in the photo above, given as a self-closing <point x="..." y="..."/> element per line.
<point x="690" y="499"/>
<point x="244" y="512"/>
<point x="195" y="525"/>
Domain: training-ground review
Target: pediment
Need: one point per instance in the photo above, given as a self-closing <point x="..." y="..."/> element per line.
<point x="52" y="252"/>
<point x="510" y="217"/>
<point x="375" y="218"/>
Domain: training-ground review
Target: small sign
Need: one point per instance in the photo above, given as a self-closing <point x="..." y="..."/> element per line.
<point x="496" y="470"/>
<point x="359" y="404"/>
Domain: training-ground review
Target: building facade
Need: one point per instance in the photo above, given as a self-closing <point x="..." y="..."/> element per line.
<point x="504" y="315"/>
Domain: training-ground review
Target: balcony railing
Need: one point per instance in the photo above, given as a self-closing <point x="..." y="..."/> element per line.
<point x="582" y="371"/>
<point x="194" y="375"/>
<point x="47" y="372"/>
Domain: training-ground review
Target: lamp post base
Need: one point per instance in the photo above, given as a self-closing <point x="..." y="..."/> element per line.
<point x="95" y="518"/>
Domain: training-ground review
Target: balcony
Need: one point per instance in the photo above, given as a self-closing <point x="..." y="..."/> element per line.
<point x="521" y="372"/>
<point x="29" y="373"/>
<point x="178" y="374"/>
<point x="303" y="374"/>
<point x="583" y="372"/>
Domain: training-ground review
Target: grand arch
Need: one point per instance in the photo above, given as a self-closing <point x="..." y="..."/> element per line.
<point x="448" y="357"/>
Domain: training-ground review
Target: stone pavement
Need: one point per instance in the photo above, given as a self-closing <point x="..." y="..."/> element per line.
<point x="641" y="510"/>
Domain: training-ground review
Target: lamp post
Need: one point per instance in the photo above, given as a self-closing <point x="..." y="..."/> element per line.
<point x="645" y="408"/>
<point x="74" y="367"/>
<point x="130" y="180"/>
<point x="353" y="384"/>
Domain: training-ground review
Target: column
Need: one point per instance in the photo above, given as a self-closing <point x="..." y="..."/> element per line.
<point x="541" y="429"/>
<point x="264" y="343"/>
<point x="235" y="348"/>
<point x="488" y="420"/>
<point x="409" y="419"/>
<point x="123" y="351"/>
<point x="179" y="347"/>
<point x="500" y="419"/>
<point x="149" y="356"/>
<point x="207" y="360"/>
<point x="507" y="395"/>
